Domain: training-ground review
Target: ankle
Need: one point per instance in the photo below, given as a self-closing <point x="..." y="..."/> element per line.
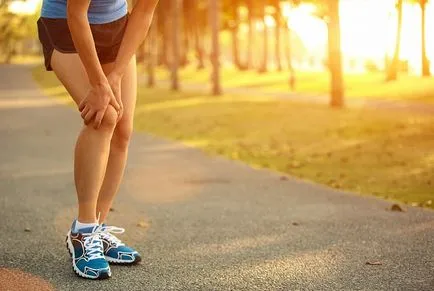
<point x="103" y="210"/>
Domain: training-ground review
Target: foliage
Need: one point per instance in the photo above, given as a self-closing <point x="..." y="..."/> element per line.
<point x="13" y="29"/>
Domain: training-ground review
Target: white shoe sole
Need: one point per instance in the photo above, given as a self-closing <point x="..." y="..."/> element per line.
<point x="70" y="248"/>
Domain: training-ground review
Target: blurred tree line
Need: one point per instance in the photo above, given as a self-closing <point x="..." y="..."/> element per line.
<point x="182" y="33"/>
<point x="192" y="31"/>
<point x="14" y="30"/>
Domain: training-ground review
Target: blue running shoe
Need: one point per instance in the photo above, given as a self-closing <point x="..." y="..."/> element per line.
<point x="86" y="250"/>
<point x="115" y="250"/>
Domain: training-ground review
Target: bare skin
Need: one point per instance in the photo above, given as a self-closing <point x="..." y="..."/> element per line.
<point x="120" y="140"/>
<point x="105" y="96"/>
<point x="71" y="73"/>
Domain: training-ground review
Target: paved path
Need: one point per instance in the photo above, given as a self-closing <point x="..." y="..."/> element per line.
<point x="209" y="223"/>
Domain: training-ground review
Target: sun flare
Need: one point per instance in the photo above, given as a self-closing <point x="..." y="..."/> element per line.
<point x="368" y="31"/>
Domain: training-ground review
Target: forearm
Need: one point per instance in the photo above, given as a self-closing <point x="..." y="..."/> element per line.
<point x="85" y="45"/>
<point x="138" y="26"/>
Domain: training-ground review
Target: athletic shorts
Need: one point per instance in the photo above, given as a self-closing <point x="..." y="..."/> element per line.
<point x="54" y="34"/>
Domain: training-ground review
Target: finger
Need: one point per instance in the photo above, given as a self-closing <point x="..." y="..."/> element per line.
<point x="120" y="114"/>
<point x="98" y="119"/>
<point x="115" y="103"/>
<point x="121" y="109"/>
<point x="85" y="111"/>
<point x="82" y="105"/>
<point x="88" y="117"/>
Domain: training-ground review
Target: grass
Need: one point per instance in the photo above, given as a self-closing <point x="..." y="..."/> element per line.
<point x="23" y="59"/>
<point x="387" y="154"/>
<point x="357" y="86"/>
<point x="50" y="85"/>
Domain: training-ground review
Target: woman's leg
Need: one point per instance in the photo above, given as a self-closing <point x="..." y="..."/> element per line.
<point x="93" y="146"/>
<point x="120" y="140"/>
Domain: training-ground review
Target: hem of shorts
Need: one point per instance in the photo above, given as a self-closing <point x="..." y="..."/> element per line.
<point x="53" y="47"/>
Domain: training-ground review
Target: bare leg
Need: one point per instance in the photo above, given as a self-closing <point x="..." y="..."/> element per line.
<point x="119" y="142"/>
<point x="93" y="146"/>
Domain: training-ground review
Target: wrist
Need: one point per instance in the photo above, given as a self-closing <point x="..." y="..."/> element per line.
<point x="99" y="81"/>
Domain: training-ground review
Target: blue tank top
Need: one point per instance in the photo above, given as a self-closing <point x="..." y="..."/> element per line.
<point x="100" y="11"/>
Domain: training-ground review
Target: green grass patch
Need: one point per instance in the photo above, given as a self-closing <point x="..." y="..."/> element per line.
<point x="382" y="153"/>
<point x="357" y="86"/>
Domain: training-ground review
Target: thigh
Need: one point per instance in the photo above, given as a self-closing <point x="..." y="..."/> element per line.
<point x="71" y="72"/>
<point x="128" y="91"/>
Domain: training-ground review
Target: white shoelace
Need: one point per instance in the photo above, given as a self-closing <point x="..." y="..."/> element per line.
<point x="106" y="234"/>
<point x="93" y="244"/>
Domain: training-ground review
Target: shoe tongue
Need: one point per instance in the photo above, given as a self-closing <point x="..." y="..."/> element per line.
<point x="87" y="230"/>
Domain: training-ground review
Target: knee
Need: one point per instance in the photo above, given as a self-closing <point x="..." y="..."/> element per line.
<point x="110" y="118"/>
<point x="122" y="135"/>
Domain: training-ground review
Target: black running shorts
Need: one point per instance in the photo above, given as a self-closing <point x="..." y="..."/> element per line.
<point x="54" y="34"/>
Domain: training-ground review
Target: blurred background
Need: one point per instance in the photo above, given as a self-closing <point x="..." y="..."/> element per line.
<point x="387" y="36"/>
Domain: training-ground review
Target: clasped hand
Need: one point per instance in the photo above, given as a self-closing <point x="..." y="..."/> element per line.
<point x="99" y="97"/>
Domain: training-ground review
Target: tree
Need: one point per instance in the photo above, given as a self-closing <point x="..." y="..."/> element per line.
<point x="13" y="30"/>
<point x="288" y="54"/>
<point x="392" y="72"/>
<point x="175" y="13"/>
<point x="277" y="18"/>
<point x="328" y="10"/>
<point x="199" y="19"/>
<point x="264" y="66"/>
<point x="164" y="28"/>
<point x="335" y="55"/>
<point x="215" y="53"/>
<point x="425" y="62"/>
<point x="250" y="8"/>
<point x="234" y="27"/>
<point x="152" y="51"/>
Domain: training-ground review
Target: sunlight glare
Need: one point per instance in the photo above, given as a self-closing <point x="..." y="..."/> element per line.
<point x="26" y="7"/>
<point x="368" y="31"/>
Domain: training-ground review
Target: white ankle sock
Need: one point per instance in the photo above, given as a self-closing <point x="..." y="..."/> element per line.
<point x="79" y="225"/>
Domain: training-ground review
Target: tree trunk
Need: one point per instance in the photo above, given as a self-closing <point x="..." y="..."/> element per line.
<point x="251" y="35"/>
<point x="234" y="30"/>
<point x="165" y="43"/>
<point x="277" y="41"/>
<point x="288" y="54"/>
<point x="199" y="47"/>
<point x="165" y="31"/>
<point x="392" y="72"/>
<point x="175" y="11"/>
<point x="214" y="9"/>
<point x="198" y="38"/>
<point x="185" y="44"/>
<point x="335" y="56"/>
<point x="264" y="66"/>
<point x="425" y="62"/>
<point x="152" y="51"/>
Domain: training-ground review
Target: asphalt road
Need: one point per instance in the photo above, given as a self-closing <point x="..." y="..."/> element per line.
<point x="205" y="223"/>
